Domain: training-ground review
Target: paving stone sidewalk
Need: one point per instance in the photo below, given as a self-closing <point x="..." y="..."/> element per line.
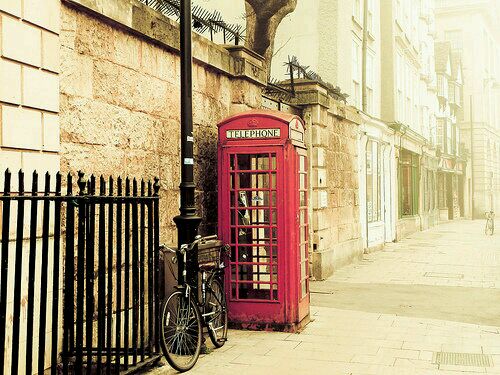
<point x="388" y="315"/>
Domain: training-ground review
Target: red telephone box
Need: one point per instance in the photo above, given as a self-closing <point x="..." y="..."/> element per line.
<point x="263" y="215"/>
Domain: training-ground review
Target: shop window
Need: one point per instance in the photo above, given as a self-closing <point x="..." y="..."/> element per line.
<point x="373" y="182"/>
<point x="408" y="184"/>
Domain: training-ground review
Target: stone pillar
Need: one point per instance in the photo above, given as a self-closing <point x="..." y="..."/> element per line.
<point x="332" y="134"/>
<point x="29" y="86"/>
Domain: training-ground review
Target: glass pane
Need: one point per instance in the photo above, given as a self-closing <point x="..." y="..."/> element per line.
<point x="259" y="217"/>
<point x="303" y="198"/>
<point x="233" y="272"/>
<point x="302" y="163"/>
<point x="302" y="184"/>
<point x="254" y="291"/>
<point x="254" y="162"/>
<point x="275" y="273"/>
<point x="259" y="254"/>
<point x="232" y="162"/>
<point x="275" y="292"/>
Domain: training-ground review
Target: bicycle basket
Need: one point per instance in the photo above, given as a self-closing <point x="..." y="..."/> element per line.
<point x="209" y="254"/>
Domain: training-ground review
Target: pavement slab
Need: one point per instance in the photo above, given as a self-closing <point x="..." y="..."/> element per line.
<point x="437" y="291"/>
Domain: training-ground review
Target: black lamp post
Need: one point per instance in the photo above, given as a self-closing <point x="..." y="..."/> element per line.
<point x="187" y="221"/>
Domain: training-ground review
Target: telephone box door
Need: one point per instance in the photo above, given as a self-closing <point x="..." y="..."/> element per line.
<point x="254" y="203"/>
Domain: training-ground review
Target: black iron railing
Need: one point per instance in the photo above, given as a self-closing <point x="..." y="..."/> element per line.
<point x="204" y="21"/>
<point x="91" y="262"/>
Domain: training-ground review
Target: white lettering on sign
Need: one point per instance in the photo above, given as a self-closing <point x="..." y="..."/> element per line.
<point x="188" y="161"/>
<point x="253" y="133"/>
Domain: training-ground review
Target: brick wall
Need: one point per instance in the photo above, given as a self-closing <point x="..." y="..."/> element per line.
<point x="29" y="85"/>
<point x="120" y="99"/>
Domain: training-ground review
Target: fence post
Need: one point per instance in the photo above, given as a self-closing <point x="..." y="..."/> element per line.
<point x="4" y="266"/>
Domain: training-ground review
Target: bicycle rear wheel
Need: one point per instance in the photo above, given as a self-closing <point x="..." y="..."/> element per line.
<point x="216" y="307"/>
<point x="181" y="331"/>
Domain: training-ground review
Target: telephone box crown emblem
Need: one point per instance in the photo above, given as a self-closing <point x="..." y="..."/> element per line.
<point x="253" y="123"/>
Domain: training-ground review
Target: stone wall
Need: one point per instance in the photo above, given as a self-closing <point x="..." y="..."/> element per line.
<point x="332" y="132"/>
<point x="29" y="93"/>
<point x="29" y="140"/>
<point x="120" y="99"/>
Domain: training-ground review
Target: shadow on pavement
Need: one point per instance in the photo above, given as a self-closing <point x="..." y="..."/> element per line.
<point x="461" y="304"/>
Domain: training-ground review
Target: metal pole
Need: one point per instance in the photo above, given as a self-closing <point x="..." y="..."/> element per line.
<point x="472" y="157"/>
<point x="364" y="104"/>
<point x="187" y="222"/>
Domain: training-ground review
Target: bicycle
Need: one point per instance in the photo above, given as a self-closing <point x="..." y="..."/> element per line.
<point x="183" y="314"/>
<point x="490" y="223"/>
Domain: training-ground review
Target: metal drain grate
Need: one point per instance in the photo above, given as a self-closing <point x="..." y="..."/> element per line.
<point x="462" y="359"/>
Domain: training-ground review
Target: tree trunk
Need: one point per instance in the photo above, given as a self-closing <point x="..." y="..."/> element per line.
<point x="263" y="19"/>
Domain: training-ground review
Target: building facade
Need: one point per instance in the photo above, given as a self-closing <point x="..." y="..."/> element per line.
<point x="409" y="105"/>
<point x="451" y="162"/>
<point x="472" y="29"/>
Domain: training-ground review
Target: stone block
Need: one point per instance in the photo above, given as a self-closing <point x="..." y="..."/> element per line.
<point x="127" y="49"/>
<point x="318" y="157"/>
<point x="135" y="91"/>
<point x="42" y="163"/>
<point x="21" y="128"/>
<point x="40" y="89"/>
<point x="93" y="38"/>
<point x="21" y="41"/>
<point x="120" y="11"/>
<point x="319" y="178"/>
<point x="44" y="13"/>
<point x="10" y="76"/>
<point x="51" y="132"/>
<point x="159" y="62"/>
<point x="11" y="6"/>
<point x="76" y="73"/>
<point x="9" y="159"/>
<point x="50" y="51"/>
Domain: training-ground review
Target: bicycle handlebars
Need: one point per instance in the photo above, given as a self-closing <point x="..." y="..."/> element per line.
<point x="188" y="247"/>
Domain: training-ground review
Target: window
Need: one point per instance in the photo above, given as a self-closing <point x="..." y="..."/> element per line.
<point x="369" y="83"/>
<point x="442" y="86"/>
<point x="455" y="38"/>
<point x="442" y="190"/>
<point x="449" y="137"/>
<point x="440" y="134"/>
<point x="400" y="87"/>
<point x="373" y="182"/>
<point x="356" y="73"/>
<point x="370" y="18"/>
<point x="356" y="10"/>
<point x="399" y="11"/>
<point x="408" y="183"/>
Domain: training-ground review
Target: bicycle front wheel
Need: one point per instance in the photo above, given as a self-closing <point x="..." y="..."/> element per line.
<point x="216" y="313"/>
<point x="181" y="331"/>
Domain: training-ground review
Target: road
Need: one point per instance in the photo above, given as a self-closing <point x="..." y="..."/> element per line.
<point x="429" y="304"/>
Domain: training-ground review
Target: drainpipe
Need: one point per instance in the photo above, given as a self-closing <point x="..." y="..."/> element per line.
<point x="366" y="190"/>
<point x="472" y="158"/>
<point x="364" y="103"/>
<point x="187" y="222"/>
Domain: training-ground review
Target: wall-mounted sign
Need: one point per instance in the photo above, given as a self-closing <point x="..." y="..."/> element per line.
<point x="296" y="130"/>
<point x="253" y="133"/>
